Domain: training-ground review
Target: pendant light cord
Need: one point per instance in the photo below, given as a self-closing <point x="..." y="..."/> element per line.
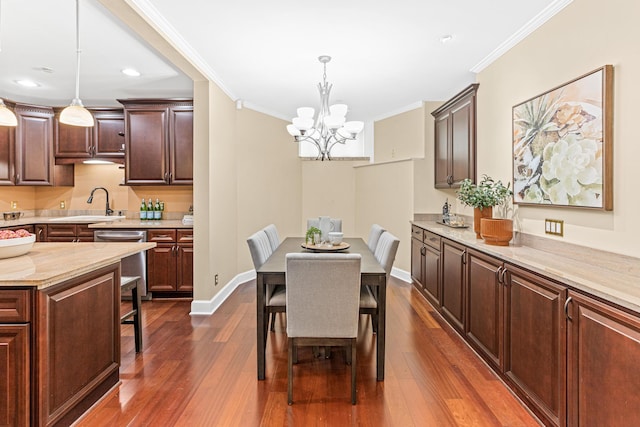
<point x="77" y="49"/>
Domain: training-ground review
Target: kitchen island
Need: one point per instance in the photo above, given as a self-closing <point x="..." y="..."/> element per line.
<point x="59" y="330"/>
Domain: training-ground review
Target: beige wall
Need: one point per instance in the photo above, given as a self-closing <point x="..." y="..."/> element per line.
<point x="400" y="137"/>
<point x="584" y="36"/>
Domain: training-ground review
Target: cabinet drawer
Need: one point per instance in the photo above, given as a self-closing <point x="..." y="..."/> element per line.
<point x="185" y="236"/>
<point x="61" y="230"/>
<point x="417" y="232"/>
<point x="161" y="235"/>
<point x="432" y="239"/>
<point x="15" y="306"/>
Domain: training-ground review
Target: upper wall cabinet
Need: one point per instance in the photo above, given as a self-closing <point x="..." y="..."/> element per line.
<point x="158" y="141"/>
<point x="455" y="139"/>
<point x="7" y="150"/>
<point x="34" y="149"/>
<point x="105" y="140"/>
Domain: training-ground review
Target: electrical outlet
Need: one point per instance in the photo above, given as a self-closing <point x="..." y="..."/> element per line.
<point x="63" y="205"/>
<point x="216" y="280"/>
<point x="14" y="205"/>
<point x="554" y="226"/>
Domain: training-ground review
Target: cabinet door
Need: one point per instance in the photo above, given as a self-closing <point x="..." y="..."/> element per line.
<point x="72" y="141"/>
<point x="146" y="145"/>
<point x="603" y="374"/>
<point x="442" y="154"/>
<point x="535" y="346"/>
<point x="431" y="274"/>
<point x="453" y="259"/>
<point x="7" y="148"/>
<point x="463" y="141"/>
<point x="184" y="278"/>
<point x="108" y="134"/>
<point x="84" y="233"/>
<point x="14" y="375"/>
<point x="34" y="135"/>
<point x="161" y="267"/>
<point x="417" y="267"/>
<point x="485" y="307"/>
<point x="61" y="233"/>
<point x="181" y="145"/>
<point x="41" y="232"/>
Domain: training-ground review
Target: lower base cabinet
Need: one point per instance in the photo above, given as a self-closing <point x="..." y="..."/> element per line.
<point x="535" y="338"/>
<point x="453" y="258"/>
<point x="170" y="263"/>
<point x="15" y="375"/>
<point x="603" y="371"/>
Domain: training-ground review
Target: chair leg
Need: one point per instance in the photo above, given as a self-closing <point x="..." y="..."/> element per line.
<point x="136" y="301"/>
<point x="290" y="372"/>
<point x="273" y="321"/>
<point x="353" y="371"/>
<point x="374" y="323"/>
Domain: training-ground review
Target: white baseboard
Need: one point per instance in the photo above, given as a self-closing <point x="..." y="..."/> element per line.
<point x="208" y="307"/>
<point x="405" y="276"/>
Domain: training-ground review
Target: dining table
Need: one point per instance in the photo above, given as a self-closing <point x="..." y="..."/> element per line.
<point x="273" y="272"/>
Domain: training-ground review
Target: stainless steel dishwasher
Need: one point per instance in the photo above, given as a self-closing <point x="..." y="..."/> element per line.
<point x="133" y="265"/>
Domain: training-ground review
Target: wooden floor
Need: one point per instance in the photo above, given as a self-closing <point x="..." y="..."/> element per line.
<point x="201" y="371"/>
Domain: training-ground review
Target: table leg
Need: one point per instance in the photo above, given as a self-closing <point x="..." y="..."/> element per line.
<point x="382" y="324"/>
<point x="260" y="315"/>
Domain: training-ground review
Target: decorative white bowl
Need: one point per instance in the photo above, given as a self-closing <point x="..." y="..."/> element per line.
<point x="335" y="238"/>
<point x="16" y="247"/>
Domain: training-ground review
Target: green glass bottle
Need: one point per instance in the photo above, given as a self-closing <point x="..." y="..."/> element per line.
<point x="143" y="211"/>
<point x="157" y="214"/>
<point x="150" y="210"/>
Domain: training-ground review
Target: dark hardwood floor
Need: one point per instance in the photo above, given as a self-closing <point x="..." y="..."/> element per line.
<point x="201" y="371"/>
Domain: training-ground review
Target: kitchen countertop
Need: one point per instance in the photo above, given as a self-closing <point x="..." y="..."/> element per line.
<point x="48" y="264"/>
<point x="119" y="223"/>
<point x="613" y="278"/>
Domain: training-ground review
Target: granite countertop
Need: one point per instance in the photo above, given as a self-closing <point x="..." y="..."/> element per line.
<point x="119" y="223"/>
<point x="48" y="264"/>
<point x="614" y="278"/>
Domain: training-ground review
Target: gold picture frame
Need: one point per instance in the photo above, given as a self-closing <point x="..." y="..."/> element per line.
<point x="563" y="144"/>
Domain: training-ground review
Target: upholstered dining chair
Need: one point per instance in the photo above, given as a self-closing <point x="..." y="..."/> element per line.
<point x="385" y="253"/>
<point x="374" y="234"/>
<point x="315" y="222"/>
<point x="323" y="294"/>
<point x="277" y="291"/>
<point x="260" y="249"/>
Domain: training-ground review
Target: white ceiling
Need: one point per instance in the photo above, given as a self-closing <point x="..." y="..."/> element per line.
<point x="387" y="55"/>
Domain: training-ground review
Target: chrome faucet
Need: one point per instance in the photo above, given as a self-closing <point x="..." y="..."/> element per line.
<point x="108" y="211"/>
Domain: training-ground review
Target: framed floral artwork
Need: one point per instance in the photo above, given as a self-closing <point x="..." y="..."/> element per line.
<point x="563" y="147"/>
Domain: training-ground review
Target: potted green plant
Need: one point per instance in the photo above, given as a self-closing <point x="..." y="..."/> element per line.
<point x="310" y="237"/>
<point x="483" y="197"/>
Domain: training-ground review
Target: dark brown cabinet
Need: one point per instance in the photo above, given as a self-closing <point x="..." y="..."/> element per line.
<point x="603" y="356"/>
<point x="455" y="139"/>
<point x="158" y="142"/>
<point x="64" y="233"/>
<point x="425" y="264"/>
<point x="15" y="377"/>
<point x="485" y="306"/>
<point x="170" y="263"/>
<point x="535" y="353"/>
<point x="105" y="140"/>
<point x="7" y="155"/>
<point x="34" y="161"/>
<point x="453" y="283"/>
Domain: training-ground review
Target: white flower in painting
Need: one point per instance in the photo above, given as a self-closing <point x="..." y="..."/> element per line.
<point x="572" y="171"/>
<point x="533" y="194"/>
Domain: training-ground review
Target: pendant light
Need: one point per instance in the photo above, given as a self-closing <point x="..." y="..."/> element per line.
<point x="7" y="117"/>
<point x="75" y="114"/>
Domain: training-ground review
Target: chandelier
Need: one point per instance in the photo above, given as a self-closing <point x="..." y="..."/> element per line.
<point x="330" y="127"/>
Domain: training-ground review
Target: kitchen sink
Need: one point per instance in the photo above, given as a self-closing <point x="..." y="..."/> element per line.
<point x="87" y="218"/>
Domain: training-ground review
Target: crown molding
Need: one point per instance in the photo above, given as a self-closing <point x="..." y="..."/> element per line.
<point x="536" y="22"/>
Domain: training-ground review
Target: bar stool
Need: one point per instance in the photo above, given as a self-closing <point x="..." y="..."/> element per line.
<point x="134" y="316"/>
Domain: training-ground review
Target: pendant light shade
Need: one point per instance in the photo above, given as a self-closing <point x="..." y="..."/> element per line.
<point x="7" y="117"/>
<point x="75" y="114"/>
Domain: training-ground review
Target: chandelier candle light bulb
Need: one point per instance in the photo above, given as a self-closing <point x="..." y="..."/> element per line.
<point x="330" y="125"/>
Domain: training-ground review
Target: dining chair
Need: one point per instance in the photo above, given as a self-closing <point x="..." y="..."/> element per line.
<point x="260" y="248"/>
<point x="277" y="300"/>
<point x="374" y="235"/>
<point x="385" y="253"/>
<point x="335" y="222"/>
<point x="322" y="296"/>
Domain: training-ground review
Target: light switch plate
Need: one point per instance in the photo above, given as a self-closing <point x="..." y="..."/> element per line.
<point x="554" y="227"/>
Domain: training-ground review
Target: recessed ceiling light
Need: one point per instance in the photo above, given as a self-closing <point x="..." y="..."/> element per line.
<point x="44" y="69"/>
<point x="446" y="38"/>
<point x="131" y="72"/>
<point x="27" y="83"/>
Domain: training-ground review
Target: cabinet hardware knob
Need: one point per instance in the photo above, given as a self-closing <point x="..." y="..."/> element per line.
<point x="566" y="308"/>
<point x="120" y="133"/>
<point x="499" y="274"/>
